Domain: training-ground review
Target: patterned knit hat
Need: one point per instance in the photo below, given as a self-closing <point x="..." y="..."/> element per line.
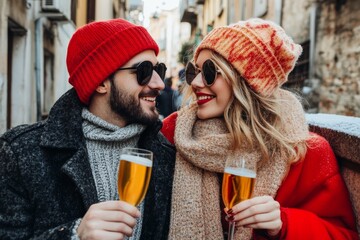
<point x="97" y="49"/>
<point x="259" y="50"/>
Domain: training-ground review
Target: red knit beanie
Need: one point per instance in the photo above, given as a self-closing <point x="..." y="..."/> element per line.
<point x="259" y="50"/>
<point x="97" y="49"/>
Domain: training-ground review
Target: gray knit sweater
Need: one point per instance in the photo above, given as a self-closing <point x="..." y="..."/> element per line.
<point x="104" y="142"/>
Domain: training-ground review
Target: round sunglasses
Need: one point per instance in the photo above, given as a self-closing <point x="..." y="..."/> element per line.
<point x="144" y="71"/>
<point x="209" y="72"/>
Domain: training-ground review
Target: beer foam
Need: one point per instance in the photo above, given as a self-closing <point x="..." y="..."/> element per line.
<point x="136" y="159"/>
<point x="243" y="172"/>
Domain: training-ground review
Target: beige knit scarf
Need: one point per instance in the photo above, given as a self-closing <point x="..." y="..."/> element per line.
<point x="202" y="147"/>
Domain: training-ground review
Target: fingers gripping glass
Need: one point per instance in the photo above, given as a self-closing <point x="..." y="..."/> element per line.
<point x="145" y="70"/>
<point x="208" y="70"/>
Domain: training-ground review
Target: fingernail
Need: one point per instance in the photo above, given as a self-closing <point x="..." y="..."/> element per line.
<point x="230" y="211"/>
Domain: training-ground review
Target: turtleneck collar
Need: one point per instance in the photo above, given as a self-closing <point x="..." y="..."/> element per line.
<point x="96" y="128"/>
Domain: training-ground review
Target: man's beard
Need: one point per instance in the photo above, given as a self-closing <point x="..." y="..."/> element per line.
<point x="129" y="108"/>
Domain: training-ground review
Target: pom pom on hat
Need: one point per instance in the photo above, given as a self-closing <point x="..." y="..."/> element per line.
<point x="97" y="49"/>
<point x="259" y="50"/>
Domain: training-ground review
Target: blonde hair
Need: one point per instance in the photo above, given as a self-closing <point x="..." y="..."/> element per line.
<point x="253" y="118"/>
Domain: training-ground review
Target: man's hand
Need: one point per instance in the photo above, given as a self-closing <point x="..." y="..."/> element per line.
<point x="108" y="220"/>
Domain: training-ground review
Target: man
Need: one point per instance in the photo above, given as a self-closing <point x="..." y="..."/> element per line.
<point x="58" y="177"/>
<point x="166" y="100"/>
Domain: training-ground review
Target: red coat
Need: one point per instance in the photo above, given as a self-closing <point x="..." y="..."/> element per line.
<point x="314" y="199"/>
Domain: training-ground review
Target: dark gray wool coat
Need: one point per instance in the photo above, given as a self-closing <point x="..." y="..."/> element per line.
<point x="46" y="181"/>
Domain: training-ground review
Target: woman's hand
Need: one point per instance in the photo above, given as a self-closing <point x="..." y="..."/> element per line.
<point x="108" y="220"/>
<point x="258" y="213"/>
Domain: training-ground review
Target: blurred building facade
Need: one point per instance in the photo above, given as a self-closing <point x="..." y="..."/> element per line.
<point x="34" y="37"/>
<point x="165" y="28"/>
<point x="327" y="74"/>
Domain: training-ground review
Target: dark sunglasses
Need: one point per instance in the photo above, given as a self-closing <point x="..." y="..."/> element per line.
<point x="209" y="72"/>
<point x="144" y="71"/>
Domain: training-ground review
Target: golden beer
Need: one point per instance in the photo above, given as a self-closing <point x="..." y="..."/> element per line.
<point x="238" y="185"/>
<point x="133" y="178"/>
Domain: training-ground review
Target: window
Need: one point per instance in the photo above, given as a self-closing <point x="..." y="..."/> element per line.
<point x="301" y="70"/>
<point x="16" y="34"/>
<point x="48" y="88"/>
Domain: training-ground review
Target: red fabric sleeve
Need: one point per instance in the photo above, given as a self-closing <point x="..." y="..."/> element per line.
<point x="302" y="224"/>
<point x="314" y="199"/>
<point x="168" y="128"/>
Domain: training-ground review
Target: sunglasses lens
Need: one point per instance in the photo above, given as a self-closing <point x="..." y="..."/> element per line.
<point x="209" y="71"/>
<point x="144" y="72"/>
<point x="190" y="73"/>
<point x="161" y="70"/>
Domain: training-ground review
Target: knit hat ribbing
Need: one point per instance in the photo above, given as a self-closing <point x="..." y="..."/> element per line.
<point x="97" y="49"/>
<point x="259" y="50"/>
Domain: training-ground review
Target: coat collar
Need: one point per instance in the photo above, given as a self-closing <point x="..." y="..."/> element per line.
<point x="63" y="140"/>
<point x="63" y="127"/>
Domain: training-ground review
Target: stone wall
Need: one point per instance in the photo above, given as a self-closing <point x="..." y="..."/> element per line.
<point x="335" y="86"/>
<point x="338" y="58"/>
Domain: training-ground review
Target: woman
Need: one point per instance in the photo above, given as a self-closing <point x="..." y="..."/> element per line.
<point x="235" y="83"/>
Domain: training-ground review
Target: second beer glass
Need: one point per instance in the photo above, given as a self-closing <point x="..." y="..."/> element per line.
<point x="134" y="174"/>
<point x="238" y="183"/>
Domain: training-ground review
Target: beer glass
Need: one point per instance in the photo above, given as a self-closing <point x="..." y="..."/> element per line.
<point x="134" y="174"/>
<point x="238" y="183"/>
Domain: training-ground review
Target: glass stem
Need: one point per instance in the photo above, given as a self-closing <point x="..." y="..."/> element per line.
<point x="231" y="230"/>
